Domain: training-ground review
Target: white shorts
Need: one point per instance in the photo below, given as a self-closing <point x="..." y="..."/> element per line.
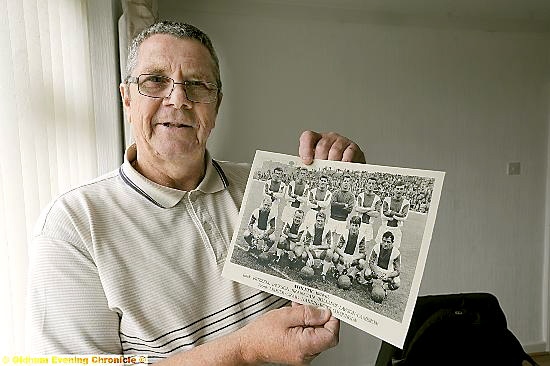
<point x="257" y="232"/>
<point x="395" y="280"/>
<point x="274" y="206"/>
<point x="367" y="230"/>
<point x="347" y="259"/>
<point x="337" y="226"/>
<point x="317" y="252"/>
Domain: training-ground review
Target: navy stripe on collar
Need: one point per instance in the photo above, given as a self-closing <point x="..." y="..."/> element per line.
<point x="221" y="173"/>
<point x="136" y="188"/>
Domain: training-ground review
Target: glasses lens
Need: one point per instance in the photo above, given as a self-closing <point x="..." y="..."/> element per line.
<point x="198" y="91"/>
<point x="155" y="85"/>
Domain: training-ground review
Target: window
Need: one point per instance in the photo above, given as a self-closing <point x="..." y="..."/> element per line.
<point x="53" y="136"/>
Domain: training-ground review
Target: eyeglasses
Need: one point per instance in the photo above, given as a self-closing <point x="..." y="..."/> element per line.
<point x="158" y="86"/>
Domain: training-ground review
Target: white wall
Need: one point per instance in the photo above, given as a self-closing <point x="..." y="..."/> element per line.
<point x="443" y="98"/>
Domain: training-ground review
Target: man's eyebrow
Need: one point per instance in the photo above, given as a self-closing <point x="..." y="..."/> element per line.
<point x="194" y="75"/>
<point x="198" y="75"/>
<point x="154" y="70"/>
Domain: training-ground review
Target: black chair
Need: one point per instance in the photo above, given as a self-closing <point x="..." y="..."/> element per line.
<point x="466" y="329"/>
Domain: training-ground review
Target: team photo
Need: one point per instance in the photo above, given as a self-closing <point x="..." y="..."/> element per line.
<point x="350" y="230"/>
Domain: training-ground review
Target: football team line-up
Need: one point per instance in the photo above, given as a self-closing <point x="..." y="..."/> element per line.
<point x="327" y="228"/>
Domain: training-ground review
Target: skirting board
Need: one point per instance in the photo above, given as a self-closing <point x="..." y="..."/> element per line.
<point x="535" y="347"/>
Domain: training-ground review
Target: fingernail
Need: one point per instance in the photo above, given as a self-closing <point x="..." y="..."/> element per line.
<point x="324" y="312"/>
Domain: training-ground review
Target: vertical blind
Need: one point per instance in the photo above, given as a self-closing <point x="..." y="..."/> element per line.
<point x="47" y="132"/>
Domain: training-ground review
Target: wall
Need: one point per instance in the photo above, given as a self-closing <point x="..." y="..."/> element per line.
<point x="461" y="100"/>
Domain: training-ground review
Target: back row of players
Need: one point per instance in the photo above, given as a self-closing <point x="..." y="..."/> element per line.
<point x="331" y="230"/>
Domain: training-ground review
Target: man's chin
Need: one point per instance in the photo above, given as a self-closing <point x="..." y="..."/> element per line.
<point x="178" y="152"/>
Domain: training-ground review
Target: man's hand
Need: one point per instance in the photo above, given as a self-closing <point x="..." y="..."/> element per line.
<point x="291" y="335"/>
<point x="379" y="274"/>
<point x="348" y="260"/>
<point x="328" y="146"/>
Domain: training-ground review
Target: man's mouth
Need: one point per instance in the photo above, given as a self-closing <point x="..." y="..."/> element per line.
<point x="175" y="124"/>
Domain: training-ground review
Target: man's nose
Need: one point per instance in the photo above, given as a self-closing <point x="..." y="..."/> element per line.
<point x="178" y="98"/>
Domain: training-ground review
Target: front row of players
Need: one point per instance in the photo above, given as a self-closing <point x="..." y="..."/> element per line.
<point x="318" y="247"/>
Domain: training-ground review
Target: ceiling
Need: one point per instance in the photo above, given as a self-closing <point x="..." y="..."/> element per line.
<point x="487" y="15"/>
<point x="511" y="9"/>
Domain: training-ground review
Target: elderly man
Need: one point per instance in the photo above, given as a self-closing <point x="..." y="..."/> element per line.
<point x="130" y="263"/>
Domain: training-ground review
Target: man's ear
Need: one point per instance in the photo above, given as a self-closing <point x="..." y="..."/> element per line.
<point x="125" y="94"/>
<point x="219" y="101"/>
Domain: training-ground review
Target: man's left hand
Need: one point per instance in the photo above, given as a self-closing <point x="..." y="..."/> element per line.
<point x="328" y="146"/>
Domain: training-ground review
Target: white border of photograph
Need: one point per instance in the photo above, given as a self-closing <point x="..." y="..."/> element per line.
<point x="369" y="320"/>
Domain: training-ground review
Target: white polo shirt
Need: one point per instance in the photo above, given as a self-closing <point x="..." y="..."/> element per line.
<point x="122" y="265"/>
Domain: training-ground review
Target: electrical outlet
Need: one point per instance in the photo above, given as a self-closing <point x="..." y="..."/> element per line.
<point x="514" y="168"/>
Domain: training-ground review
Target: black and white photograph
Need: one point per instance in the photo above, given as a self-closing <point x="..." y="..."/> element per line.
<point x="351" y="237"/>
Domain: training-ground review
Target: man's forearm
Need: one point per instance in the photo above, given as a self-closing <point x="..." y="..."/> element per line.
<point x="224" y="351"/>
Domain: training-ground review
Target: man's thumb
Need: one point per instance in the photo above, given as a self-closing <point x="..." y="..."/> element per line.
<point x="308" y="315"/>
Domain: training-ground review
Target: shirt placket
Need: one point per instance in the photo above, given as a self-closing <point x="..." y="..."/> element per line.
<point x="212" y="238"/>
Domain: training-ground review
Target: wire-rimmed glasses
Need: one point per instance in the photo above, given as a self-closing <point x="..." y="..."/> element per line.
<point x="159" y="86"/>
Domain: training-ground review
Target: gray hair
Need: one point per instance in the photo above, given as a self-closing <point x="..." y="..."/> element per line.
<point x="178" y="30"/>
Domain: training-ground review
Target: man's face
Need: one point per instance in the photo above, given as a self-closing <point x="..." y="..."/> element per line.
<point x="346" y="184"/>
<point x="398" y="190"/>
<point x="323" y="183"/>
<point x="302" y="175"/>
<point x="172" y="128"/>
<point x="266" y="204"/>
<point x="319" y="221"/>
<point x="277" y="175"/>
<point x="354" y="228"/>
<point x="298" y="217"/>
<point x="387" y="243"/>
<point x="371" y="184"/>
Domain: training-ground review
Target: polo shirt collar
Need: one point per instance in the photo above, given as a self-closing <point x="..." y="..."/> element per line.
<point x="214" y="181"/>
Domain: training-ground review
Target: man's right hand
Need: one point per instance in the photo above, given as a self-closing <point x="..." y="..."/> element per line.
<point x="291" y="335"/>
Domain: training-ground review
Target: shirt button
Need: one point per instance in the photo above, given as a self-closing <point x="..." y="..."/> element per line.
<point x="207" y="226"/>
<point x="193" y="197"/>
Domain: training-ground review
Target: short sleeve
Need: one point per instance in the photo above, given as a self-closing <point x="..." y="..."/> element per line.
<point x="67" y="310"/>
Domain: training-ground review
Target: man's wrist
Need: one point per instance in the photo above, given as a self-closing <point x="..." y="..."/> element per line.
<point x="245" y="353"/>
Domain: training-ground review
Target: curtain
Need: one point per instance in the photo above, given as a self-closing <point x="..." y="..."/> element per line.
<point x="136" y="16"/>
<point x="47" y="132"/>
